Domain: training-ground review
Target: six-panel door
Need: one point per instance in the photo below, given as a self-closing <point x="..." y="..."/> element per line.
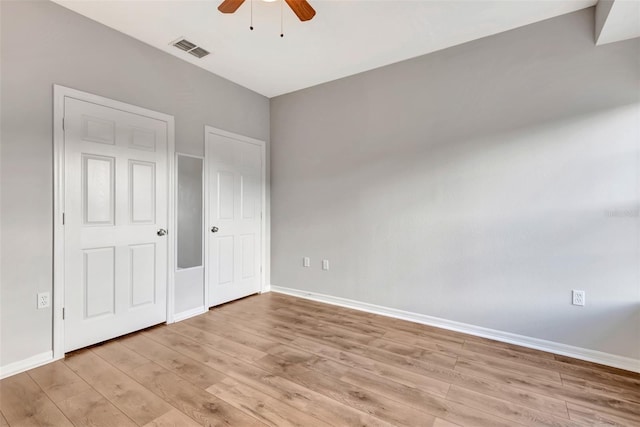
<point x="115" y="203"/>
<point x="235" y="208"/>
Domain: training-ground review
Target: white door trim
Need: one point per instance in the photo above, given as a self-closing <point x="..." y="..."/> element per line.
<point x="59" y="95"/>
<point x="263" y="216"/>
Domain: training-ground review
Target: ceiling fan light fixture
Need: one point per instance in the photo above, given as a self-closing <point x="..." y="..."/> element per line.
<point x="301" y="8"/>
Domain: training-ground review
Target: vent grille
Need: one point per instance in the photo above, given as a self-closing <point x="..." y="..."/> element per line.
<point x="189" y="47"/>
<point x="198" y="52"/>
<point x="185" y="45"/>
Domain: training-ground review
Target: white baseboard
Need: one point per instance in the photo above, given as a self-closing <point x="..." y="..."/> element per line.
<point x="608" y="359"/>
<point x="189" y="313"/>
<point x="26" y="364"/>
<point x="265" y="289"/>
<point x="47" y="357"/>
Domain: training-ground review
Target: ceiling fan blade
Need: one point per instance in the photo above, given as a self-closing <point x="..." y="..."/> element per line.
<point x="230" y="6"/>
<point x="302" y="9"/>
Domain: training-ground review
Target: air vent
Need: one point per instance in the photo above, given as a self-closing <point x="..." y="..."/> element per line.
<point x="185" y="45"/>
<point x="198" y="52"/>
<point x="190" y="47"/>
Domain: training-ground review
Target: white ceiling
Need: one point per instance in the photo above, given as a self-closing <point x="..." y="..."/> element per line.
<point x="622" y="22"/>
<point x="344" y="38"/>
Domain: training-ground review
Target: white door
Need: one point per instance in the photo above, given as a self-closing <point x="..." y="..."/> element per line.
<point x="235" y="182"/>
<point x="115" y="203"/>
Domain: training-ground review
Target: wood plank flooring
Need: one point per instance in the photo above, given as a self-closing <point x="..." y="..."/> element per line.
<point x="282" y="361"/>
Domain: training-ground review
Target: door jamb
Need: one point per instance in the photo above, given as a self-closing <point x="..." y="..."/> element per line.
<point x="59" y="95"/>
<point x="263" y="214"/>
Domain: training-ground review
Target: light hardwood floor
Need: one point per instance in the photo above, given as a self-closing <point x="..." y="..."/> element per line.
<point x="278" y="360"/>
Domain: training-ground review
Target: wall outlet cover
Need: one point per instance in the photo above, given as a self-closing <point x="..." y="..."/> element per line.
<point x="43" y="300"/>
<point x="578" y="297"/>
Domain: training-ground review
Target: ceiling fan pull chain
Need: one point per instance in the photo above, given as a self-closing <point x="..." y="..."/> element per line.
<point x="251" y="26"/>
<point x="281" y="19"/>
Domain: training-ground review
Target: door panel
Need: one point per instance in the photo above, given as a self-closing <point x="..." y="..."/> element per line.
<point x="224" y="260"/>
<point x="250" y="194"/>
<point x="142" y="178"/>
<point x="143" y="272"/>
<point x="99" y="281"/>
<point x="226" y="199"/>
<point x="235" y="195"/>
<point x="98" y="130"/>
<point x="98" y="179"/>
<point x="143" y="139"/>
<point x="115" y="201"/>
<point x="248" y="256"/>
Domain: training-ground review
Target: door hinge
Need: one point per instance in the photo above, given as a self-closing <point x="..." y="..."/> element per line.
<point x="62" y="218"/>
<point x="62" y="313"/>
<point x="260" y="269"/>
<point x="63" y="123"/>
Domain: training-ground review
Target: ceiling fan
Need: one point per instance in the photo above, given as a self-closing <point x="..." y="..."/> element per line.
<point x="301" y="8"/>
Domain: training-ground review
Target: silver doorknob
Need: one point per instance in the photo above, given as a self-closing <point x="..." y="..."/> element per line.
<point x="214" y="229"/>
<point x="162" y="232"/>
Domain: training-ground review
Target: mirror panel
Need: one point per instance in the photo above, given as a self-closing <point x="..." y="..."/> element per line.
<point x="189" y="204"/>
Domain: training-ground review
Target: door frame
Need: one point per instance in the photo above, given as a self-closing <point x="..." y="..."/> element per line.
<point x="263" y="214"/>
<point x="59" y="95"/>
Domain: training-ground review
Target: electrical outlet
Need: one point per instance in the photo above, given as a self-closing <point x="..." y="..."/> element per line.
<point x="325" y="264"/>
<point x="578" y="297"/>
<point x="43" y="300"/>
<point x="306" y="262"/>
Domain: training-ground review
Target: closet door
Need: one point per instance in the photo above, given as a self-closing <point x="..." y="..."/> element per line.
<point x="235" y="183"/>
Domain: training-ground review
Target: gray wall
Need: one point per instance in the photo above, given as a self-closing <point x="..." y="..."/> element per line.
<point x="45" y="44"/>
<point x="478" y="184"/>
